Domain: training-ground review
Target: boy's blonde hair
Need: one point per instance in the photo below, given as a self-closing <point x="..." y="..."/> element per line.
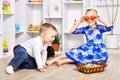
<point x="91" y="10"/>
<point x="47" y="26"/>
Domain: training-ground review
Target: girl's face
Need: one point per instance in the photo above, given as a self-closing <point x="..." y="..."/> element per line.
<point x="49" y="36"/>
<point x="90" y="18"/>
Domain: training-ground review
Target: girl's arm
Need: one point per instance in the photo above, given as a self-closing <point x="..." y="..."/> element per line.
<point x="76" y="25"/>
<point x="106" y="23"/>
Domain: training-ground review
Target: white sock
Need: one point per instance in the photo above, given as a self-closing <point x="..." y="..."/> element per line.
<point x="10" y="70"/>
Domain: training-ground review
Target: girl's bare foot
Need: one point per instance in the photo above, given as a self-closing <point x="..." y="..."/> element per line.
<point x="63" y="61"/>
<point x="59" y="62"/>
<point x="49" y="62"/>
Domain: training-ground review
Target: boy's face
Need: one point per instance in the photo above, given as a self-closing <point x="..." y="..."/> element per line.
<point x="92" y="15"/>
<point x="49" y="36"/>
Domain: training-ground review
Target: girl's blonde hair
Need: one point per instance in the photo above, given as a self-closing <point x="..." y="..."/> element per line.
<point x="91" y="10"/>
<point x="47" y="26"/>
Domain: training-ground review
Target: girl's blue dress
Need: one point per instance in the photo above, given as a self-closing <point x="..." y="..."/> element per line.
<point x="94" y="50"/>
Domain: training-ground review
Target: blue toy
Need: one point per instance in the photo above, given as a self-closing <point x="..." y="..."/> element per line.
<point x="17" y="27"/>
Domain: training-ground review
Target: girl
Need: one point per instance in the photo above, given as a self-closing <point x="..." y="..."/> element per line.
<point x="94" y="50"/>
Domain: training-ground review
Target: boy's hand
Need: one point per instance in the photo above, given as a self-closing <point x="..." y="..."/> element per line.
<point x="43" y="69"/>
<point x="45" y="66"/>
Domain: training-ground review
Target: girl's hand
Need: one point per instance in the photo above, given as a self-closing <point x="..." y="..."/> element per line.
<point x="82" y="19"/>
<point x="100" y="19"/>
<point x="76" y="25"/>
<point x="106" y="23"/>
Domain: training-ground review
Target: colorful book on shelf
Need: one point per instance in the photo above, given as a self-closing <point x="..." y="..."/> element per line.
<point x="5" y="46"/>
<point x="6" y="7"/>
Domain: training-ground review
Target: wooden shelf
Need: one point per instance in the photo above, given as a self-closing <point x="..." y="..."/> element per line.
<point x="6" y="55"/>
<point x="5" y="13"/>
<point x="31" y="3"/>
<point x="53" y="17"/>
<point x="32" y="31"/>
<point x="19" y="32"/>
<point x="73" y="2"/>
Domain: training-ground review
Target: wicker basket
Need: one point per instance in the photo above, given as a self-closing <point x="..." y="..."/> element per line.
<point x="98" y="67"/>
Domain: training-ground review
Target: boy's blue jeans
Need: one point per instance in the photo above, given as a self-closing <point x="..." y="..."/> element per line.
<point x="22" y="59"/>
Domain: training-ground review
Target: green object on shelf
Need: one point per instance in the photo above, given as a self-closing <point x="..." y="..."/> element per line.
<point x="76" y="0"/>
<point x="57" y="39"/>
<point x="74" y="21"/>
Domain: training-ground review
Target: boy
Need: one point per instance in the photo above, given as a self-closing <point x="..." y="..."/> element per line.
<point x="32" y="53"/>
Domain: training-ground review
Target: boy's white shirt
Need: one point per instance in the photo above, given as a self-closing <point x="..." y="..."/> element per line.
<point x="35" y="49"/>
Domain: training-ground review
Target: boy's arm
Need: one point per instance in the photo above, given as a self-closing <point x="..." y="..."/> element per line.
<point x="44" y="55"/>
<point x="37" y="56"/>
<point x="37" y="49"/>
<point x="38" y="59"/>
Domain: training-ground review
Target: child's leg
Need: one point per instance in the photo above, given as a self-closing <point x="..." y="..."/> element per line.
<point x="29" y="63"/>
<point x="20" y="55"/>
<point x="63" y="61"/>
<point x="49" y="62"/>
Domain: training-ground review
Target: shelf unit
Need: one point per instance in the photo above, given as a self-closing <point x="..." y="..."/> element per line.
<point x="31" y="13"/>
<point x="73" y="10"/>
<point x="40" y="12"/>
<point x="52" y="13"/>
<point x="25" y="13"/>
<point x="20" y="19"/>
<point x="7" y="19"/>
<point x="1" y="27"/>
<point x="34" y="11"/>
<point x="44" y="11"/>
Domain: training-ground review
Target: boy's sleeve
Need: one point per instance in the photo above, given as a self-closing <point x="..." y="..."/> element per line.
<point x="44" y="55"/>
<point x="38" y="58"/>
<point x="37" y="49"/>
